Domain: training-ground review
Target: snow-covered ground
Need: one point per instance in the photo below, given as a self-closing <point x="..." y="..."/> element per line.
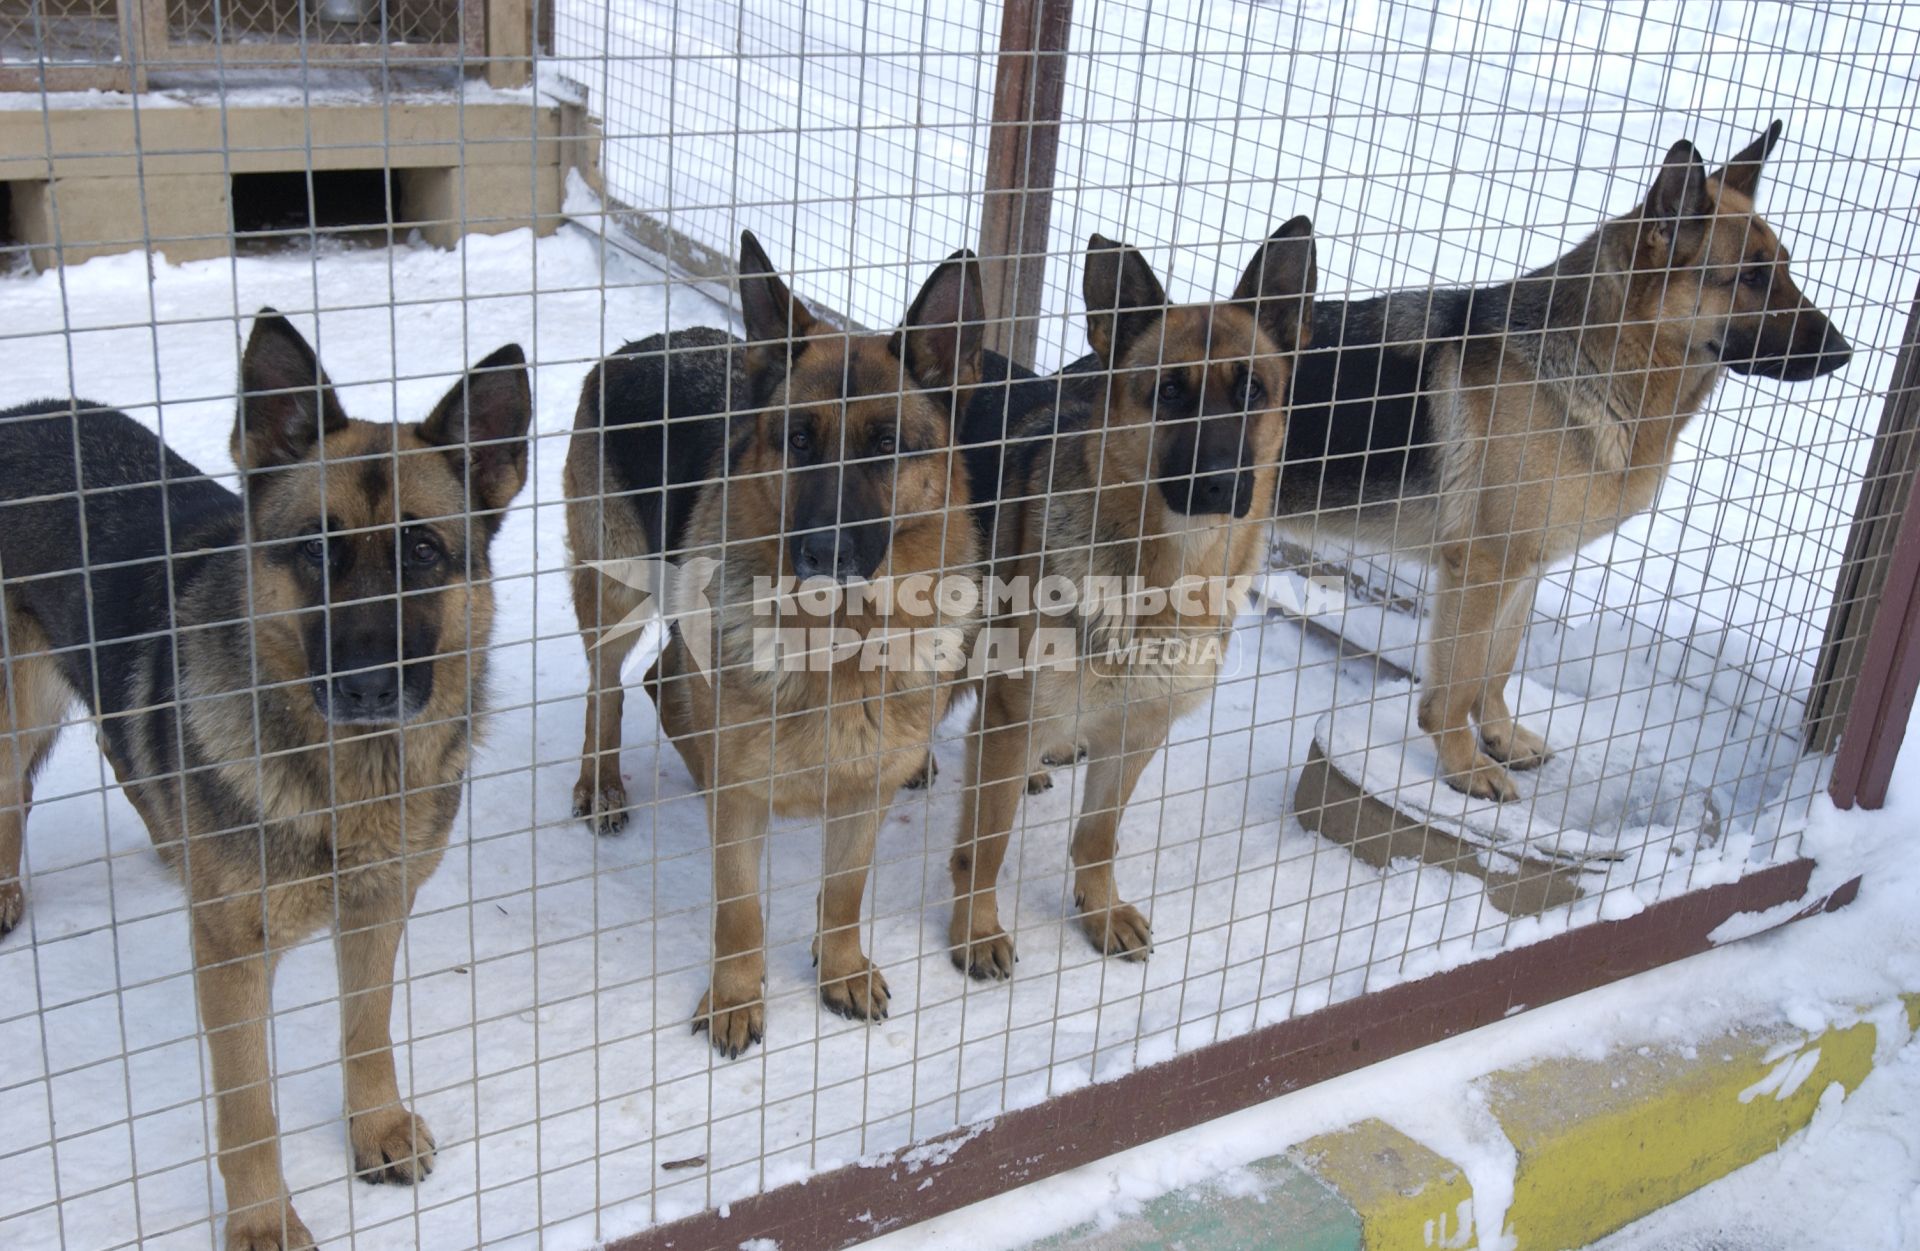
<point x="1850" y="1179"/>
<point x="549" y="977"/>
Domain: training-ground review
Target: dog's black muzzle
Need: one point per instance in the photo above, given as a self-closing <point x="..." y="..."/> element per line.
<point x="1814" y="347"/>
<point x="1208" y="469"/>
<point x="368" y="681"/>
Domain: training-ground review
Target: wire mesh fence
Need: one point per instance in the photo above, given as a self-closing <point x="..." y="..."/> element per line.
<point x="1208" y="598"/>
<point x="88" y="31"/>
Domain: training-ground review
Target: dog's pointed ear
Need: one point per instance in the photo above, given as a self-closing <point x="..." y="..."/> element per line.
<point x="1122" y="296"/>
<point x="771" y="313"/>
<point x="1742" y="173"/>
<point x="1680" y="188"/>
<point x="1279" y="284"/>
<point x="1676" y="208"/>
<point x="482" y="422"/>
<point x="287" y="404"/>
<point x="941" y="339"/>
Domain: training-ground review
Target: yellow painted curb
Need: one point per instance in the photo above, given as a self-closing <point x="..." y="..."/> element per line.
<point x="1404" y="1194"/>
<point x="1603" y="1143"/>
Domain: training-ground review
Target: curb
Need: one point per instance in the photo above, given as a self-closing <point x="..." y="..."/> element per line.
<point x="1599" y="1144"/>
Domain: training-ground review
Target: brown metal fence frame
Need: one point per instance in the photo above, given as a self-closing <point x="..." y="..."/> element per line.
<point x="1866" y="680"/>
<point x="1029" y="85"/>
<point x="844" y="1207"/>
<point x="1872" y="645"/>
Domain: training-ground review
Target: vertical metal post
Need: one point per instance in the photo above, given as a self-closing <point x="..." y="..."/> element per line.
<point x="1870" y="658"/>
<point x="1024" y="141"/>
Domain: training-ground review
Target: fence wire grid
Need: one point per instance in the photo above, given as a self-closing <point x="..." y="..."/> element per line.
<point x="416" y="186"/>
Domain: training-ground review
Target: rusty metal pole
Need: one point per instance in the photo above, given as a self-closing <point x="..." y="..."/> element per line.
<point x="1889" y="674"/>
<point x="1864" y="568"/>
<point x="1870" y="659"/>
<point x="1023" y="145"/>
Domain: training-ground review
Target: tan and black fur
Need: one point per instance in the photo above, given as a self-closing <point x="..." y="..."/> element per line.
<point x="1495" y="430"/>
<point x="1162" y="469"/>
<point x="808" y="452"/>
<point x="294" y="732"/>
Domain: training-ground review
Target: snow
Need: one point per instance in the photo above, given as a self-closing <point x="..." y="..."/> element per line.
<point x="1627" y="779"/>
<point x="548" y="977"/>
<point x="1851" y="1178"/>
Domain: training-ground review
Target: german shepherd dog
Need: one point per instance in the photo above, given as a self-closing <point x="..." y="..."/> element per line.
<point x="1495" y="430"/>
<point x="809" y="453"/>
<point x="1158" y="476"/>
<point x="287" y="684"/>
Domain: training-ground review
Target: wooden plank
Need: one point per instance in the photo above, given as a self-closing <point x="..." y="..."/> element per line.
<point x="509" y="43"/>
<point x="396" y="134"/>
<point x="158" y="46"/>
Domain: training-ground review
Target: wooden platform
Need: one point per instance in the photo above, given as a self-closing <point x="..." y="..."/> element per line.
<point x="92" y="181"/>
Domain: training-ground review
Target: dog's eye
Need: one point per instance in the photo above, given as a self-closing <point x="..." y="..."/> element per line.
<point x="886" y="444"/>
<point x="1754" y="277"/>
<point x="799" y="440"/>
<point x="421" y="550"/>
<point x="1256" y="391"/>
<point x="1171" y="390"/>
<point x="315" y="550"/>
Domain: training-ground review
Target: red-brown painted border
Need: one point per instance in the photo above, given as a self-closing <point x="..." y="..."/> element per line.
<point x="1869" y="663"/>
<point x="840" y="1208"/>
<point x="1023" y="145"/>
<point x="1889" y="673"/>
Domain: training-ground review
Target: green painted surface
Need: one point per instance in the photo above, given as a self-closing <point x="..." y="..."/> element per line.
<point x="1285" y="1209"/>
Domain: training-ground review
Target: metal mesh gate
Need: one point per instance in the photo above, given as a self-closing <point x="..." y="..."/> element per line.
<point x="577" y="180"/>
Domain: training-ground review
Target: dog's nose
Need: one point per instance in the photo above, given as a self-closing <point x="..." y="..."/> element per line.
<point x="839" y="554"/>
<point x="1212" y="494"/>
<point x="1834" y="351"/>
<point x="820" y="555"/>
<point x="367" y="693"/>
<point x="1230" y="492"/>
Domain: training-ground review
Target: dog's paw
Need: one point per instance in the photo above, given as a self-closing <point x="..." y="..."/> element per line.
<point x="268" y="1227"/>
<point x="923" y="780"/>
<point x="1485" y="779"/>
<point x="1119" y="931"/>
<point x="987" y="956"/>
<point x="603" y="808"/>
<point x="731" y="1027"/>
<point x="1515" y="746"/>
<point x="1039" y="783"/>
<point x="1053" y="761"/>
<point x="859" y="994"/>
<point x="13" y="905"/>
<point x="391" y="1145"/>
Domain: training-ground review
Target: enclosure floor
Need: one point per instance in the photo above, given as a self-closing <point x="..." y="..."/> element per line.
<point x="549" y="976"/>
